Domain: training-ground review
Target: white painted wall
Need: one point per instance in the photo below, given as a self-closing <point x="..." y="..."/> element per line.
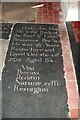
<point x="70" y="9"/>
<point x="72" y="14"/>
<point x="64" y="6"/>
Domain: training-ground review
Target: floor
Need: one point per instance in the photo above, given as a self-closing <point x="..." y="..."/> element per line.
<point x="46" y="13"/>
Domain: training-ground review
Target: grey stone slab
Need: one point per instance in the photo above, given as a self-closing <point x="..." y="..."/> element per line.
<point x="5" y="30"/>
<point x="33" y="80"/>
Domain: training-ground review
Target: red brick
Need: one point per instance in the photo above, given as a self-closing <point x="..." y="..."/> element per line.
<point x="44" y="10"/>
<point x="70" y="76"/>
<point x="51" y="21"/>
<point x="74" y="113"/>
<point x="63" y="34"/>
<point x="69" y="69"/>
<point x="65" y="44"/>
<point x="73" y="93"/>
<point x="39" y="20"/>
<point x="73" y="103"/>
<point x="46" y="21"/>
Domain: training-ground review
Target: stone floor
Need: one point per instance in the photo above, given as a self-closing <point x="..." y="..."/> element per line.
<point x="45" y="13"/>
<point x="24" y="12"/>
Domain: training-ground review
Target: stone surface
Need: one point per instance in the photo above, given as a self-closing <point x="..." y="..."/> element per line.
<point x="5" y="31"/>
<point x="33" y="82"/>
<point x="18" y="11"/>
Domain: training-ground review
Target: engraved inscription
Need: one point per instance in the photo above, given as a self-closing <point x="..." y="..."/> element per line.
<point x="29" y="47"/>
